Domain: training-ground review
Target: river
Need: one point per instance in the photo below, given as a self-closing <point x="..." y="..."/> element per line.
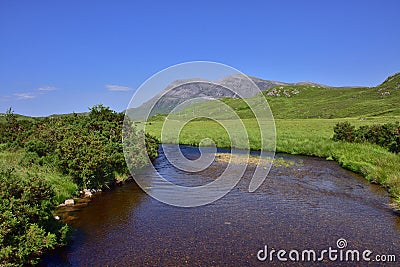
<point x="306" y="206"/>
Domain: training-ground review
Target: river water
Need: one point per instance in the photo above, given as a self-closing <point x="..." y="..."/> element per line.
<point x="306" y="206"/>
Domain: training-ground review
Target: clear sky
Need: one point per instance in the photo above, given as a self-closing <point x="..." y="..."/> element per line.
<point x="65" y="56"/>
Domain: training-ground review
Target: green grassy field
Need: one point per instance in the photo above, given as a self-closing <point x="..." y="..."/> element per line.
<point x="310" y="137"/>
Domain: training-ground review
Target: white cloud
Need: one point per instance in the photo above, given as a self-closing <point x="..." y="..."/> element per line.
<point x="4" y="98"/>
<point x="119" y="88"/>
<point x="33" y="94"/>
<point x="27" y="95"/>
<point x="47" y="88"/>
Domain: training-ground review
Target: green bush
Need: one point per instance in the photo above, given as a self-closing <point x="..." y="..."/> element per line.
<point x="385" y="135"/>
<point x="139" y="147"/>
<point x="344" y="131"/>
<point x="14" y="132"/>
<point x="91" y="159"/>
<point x="152" y="144"/>
<point x="36" y="146"/>
<point x="27" y="227"/>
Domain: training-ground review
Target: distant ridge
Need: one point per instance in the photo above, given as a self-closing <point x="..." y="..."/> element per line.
<point x="181" y="90"/>
<point x="302" y="101"/>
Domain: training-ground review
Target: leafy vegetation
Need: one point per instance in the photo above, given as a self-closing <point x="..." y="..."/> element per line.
<point x="46" y="160"/>
<point x="27" y="227"/>
<point x="344" y="131"/>
<point x="385" y="135"/>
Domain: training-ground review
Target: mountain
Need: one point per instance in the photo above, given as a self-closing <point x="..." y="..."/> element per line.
<point x="183" y="90"/>
<point x="294" y="101"/>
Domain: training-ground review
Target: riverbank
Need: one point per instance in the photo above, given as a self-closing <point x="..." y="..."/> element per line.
<point x="66" y="211"/>
<point x="310" y="137"/>
<point x="48" y="160"/>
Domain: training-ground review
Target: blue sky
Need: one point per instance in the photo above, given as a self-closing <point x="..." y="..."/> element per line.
<point x="65" y="56"/>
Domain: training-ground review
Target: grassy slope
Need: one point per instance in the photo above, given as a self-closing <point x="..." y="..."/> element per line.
<point x="17" y="116"/>
<point x="23" y="117"/>
<point x="63" y="185"/>
<point x="335" y="103"/>
<point x="303" y="126"/>
<point x="308" y="101"/>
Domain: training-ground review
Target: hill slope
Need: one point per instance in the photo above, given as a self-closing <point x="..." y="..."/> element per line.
<point x="315" y="101"/>
<point x="181" y="90"/>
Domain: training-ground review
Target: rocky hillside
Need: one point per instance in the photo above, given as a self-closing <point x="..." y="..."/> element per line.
<point x="291" y="101"/>
<point x="181" y="90"/>
<point x="390" y="85"/>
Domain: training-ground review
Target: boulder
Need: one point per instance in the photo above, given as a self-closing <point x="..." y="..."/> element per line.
<point x="87" y="193"/>
<point x="69" y="202"/>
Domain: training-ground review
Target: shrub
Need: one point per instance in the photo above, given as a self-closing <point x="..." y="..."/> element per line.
<point x="90" y="159"/>
<point x="385" y="135"/>
<point x="27" y="227"/>
<point x="36" y="146"/>
<point x="344" y="131"/>
<point x="14" y="132"/>
<point x="152" y="144"/>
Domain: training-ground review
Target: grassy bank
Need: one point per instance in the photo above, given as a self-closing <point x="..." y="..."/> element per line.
<point x="62" y="184"/>
<point x="310" y="137"/>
